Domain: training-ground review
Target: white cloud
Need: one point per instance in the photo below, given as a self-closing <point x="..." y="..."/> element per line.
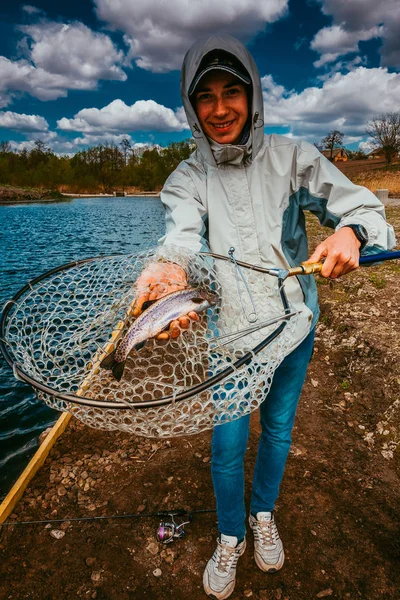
<point x="22" y="122"/>
<point x="334" y="41"/>
<point x="367" y="146"/>
<point x="31" y="10"/>
<point x="95" y="140"/>
<point x="18" y="146"/>
<point x="92" y="139"/>
<point x="343" y="66"/>
<point x="143" y="115"/>
<point x="159" y="34"/>
<point x="22" y="76"/>
<point x="64" y="147"/>
<point x="74" y="51"/>
<point x="49" y="138"/>
<point x="60" y="58"/>
<point x="360" y="20"/>
<point x="345" y="102"/>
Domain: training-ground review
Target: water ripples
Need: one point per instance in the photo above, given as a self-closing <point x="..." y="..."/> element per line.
<point x="34" y="239"/>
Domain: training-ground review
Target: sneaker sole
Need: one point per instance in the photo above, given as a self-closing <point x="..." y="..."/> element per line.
<point x="211" y="594"/>
<point x="226" y="591"/>
<point x="269" y="568"/>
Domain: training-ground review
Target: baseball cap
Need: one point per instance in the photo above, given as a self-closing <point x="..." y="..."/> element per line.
<point x="221" y="61"/>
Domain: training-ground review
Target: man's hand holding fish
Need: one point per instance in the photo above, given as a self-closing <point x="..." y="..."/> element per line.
<point x="155" y="282"/>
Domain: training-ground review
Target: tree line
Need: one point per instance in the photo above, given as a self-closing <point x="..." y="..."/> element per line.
<point x="108" y="167"/>
<point x="103" y="168"/>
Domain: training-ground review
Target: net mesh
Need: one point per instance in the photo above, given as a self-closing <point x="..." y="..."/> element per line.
<point x="61" y="328"/>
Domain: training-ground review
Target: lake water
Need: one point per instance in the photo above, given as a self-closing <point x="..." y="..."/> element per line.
<point x="35" y="238"/>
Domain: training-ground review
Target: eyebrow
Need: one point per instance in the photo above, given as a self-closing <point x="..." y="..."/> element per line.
<point x="226" y="86"/>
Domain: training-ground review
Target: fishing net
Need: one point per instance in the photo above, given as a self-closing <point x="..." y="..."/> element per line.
<point x="59" y="327"/>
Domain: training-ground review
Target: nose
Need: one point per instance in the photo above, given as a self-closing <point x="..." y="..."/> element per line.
<point x="220" y="108"/>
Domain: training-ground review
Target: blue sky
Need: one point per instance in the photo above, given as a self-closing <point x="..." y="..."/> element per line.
<point x="75" y="74"/>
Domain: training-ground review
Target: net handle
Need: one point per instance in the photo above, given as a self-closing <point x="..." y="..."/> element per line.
<point x="307" y="268"/>
<point x="310" y="268"/>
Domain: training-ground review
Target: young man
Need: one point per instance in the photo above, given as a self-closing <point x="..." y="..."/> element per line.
<point x="252" y="189"/>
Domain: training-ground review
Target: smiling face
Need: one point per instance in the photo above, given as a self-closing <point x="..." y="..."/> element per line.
<point x="221" y="106"/>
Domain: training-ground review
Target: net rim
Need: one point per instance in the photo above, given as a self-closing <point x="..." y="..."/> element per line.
<point x="19" y="373"/>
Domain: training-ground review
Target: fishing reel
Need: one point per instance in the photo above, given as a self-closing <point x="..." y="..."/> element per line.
<point x="170" y="530"/>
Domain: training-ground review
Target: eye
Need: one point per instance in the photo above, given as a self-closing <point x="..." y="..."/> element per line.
<point x="203" y="96"/>
<point x="233" y="92"/>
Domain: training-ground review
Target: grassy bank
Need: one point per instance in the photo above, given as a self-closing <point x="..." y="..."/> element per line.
<point x="389" y="180"/>
<point x="374" y="175"/>
<point x="10" y="194"/>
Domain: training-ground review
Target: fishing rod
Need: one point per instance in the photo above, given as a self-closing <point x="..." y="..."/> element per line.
<point x="168" y="529"/>
<point x="162" y="513"/>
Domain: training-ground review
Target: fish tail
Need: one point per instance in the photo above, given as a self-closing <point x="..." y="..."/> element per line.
<point x="113" y="365"/>
<point x="118" y="370"/>
<point x="108" y="361"/>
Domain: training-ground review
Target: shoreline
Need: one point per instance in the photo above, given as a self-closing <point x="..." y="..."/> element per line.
<point x="142" y="195"/>
<point x="33" y="201"/>
<point x="69" y="197"/>
<point x="25" y="195"/>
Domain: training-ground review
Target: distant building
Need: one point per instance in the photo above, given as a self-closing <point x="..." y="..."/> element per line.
<point x="338" y="154"/>
<point x="377" y="153"/>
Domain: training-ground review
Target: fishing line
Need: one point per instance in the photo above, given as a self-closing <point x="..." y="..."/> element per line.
<point x="162" y="514"/>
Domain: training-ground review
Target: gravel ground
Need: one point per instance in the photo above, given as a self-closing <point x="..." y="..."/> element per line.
<point x="340" y="498"/>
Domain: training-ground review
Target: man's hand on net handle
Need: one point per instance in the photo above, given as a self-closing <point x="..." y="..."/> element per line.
<point x="155" y="282"/>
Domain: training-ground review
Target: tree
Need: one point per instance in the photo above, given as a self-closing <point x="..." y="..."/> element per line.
<point x="332" y="140"/>
<point x="5" y="147"/>
<point x="126" y="148"/>
<point x="40" y="146"/>
<point x="384" y="130"/>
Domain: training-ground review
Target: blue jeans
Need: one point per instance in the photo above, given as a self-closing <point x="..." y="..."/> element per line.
<point x="229" y="443"/>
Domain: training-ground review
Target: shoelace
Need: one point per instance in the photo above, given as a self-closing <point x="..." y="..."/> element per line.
<point x="267" y="532"/>
<point x="224" y="555"/>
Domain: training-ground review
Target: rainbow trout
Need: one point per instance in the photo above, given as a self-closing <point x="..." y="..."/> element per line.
<point x="154" y="320"/>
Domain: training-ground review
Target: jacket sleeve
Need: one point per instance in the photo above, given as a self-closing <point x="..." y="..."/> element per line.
<point x="185" y="215"/>
<point x="338" y="202"/>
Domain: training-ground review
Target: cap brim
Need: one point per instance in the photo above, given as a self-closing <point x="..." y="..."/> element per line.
<point x="231" y="70"/>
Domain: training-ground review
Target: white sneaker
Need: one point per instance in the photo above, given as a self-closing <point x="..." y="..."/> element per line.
<point x="268" y="548"/>
<point x="220" y="573"/>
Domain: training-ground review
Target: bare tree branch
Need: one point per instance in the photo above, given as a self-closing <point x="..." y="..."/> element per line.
<point x="384" y="130"/>
<point x="332" y="140"/>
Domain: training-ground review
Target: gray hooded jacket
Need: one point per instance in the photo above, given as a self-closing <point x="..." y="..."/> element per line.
<point x="253" y="197"/>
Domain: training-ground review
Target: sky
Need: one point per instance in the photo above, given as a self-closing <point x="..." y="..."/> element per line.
<point x="79" y="73"/>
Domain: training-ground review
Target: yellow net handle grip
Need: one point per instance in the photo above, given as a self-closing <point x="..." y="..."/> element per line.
<point x="306" y="269"/>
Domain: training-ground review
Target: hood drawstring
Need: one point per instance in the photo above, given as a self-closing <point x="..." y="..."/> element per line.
<point x="234" y="154"/>
<point x="256" y="120"/>
<point x="197" y="129"/>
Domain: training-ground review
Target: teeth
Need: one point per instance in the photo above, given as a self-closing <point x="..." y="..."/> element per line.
<point x="222" y="125"/>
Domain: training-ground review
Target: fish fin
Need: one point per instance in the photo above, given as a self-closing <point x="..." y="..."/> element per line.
<point x="108" y="361"/>
<point x="147" y="304"/>
<point x="140" y="345"/>
<point x="118" y="370"/>
<point x="197" y="300"/>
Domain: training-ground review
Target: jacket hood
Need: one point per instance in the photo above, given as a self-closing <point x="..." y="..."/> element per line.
<point x="219" y="153"/>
